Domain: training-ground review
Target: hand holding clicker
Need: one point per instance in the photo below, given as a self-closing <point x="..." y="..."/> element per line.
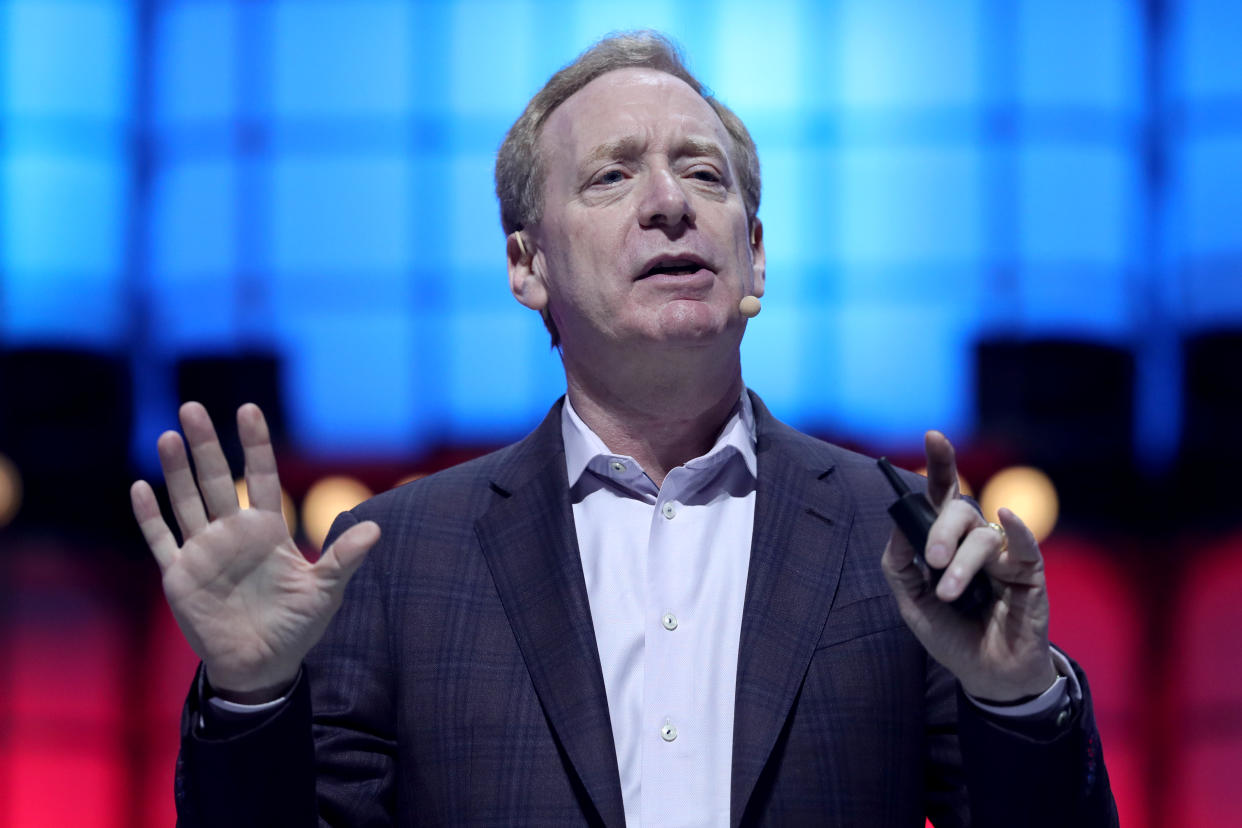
<point x="1003" y="653"/>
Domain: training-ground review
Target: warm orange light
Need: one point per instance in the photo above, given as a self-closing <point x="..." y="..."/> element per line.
<point x="287" y="509"/>
<point x="1026" y="491"/>
<point x="327" y="499"/>
<point x="962" y="486"/>
<point x="409" y="478"/>
<point x="10" y="491"/>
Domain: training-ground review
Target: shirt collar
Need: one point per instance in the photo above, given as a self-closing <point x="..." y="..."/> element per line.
<point x="582" y="445"/>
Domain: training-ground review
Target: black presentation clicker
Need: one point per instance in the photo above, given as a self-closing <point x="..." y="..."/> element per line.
<point x="914" y="516"/>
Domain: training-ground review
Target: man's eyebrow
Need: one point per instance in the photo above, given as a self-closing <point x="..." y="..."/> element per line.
<point x="631" y="146"/>
<point x="702" y="146"/>
<point x="620" y="148"/>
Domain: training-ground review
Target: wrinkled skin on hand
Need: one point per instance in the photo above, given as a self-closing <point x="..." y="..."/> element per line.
<point x="1005" y="654"/>
<point x="250" y="605"/>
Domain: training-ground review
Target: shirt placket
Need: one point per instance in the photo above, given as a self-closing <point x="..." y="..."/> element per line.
<point x="672" y="741"/>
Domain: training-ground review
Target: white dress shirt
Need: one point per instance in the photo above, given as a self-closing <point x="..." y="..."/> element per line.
<point x="665" y="575"/>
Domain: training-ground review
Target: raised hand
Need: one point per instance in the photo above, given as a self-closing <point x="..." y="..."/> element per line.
<point x="244" y="596"/>
<point x="1004" y="655"/>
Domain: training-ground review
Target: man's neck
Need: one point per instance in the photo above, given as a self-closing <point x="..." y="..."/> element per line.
<point x="661" y="418"/>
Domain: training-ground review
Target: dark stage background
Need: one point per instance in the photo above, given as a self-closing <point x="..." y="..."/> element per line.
<point x="1018" y="221"/>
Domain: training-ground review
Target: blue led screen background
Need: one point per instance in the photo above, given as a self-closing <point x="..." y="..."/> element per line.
<point x="314" y="178"/>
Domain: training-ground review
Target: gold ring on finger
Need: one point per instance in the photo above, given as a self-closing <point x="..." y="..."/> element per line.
<point x="1000" y="530"/>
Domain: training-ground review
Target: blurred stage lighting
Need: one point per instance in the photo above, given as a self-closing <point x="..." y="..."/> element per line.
<point x="1028" y="493"/>
<point x="287" y="509"/>
<point x="327" y="499"/>
<point x="10" y="491"/>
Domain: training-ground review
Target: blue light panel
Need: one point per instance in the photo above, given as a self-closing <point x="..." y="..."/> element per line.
<point x="67" y="59"/>
<point x="898" y="54"/>
<point x="472" y="224"/>
<point x="501" y="54"/>
<point x="366" y="361"/>
<point x="197" y="59"/>
<point x="1212" y="170"/>
<point x="320" y="180"/>
<point x="906" y="206"/>
<point x="340" y="213"/>
<point x="1205" y="49"/>
<point x="64" y="213"/>
<point x="901" y="370"/>
<point x="64" y="175"/>
<point x="771" y="77"/>
<point x="76" y="309"/>
<point x="194" y="220"/>
<point x="333" y="60"/>
<point x="1078" y="204"/>
<point x="1080" y="54"/>
<point x="500" y="372"/>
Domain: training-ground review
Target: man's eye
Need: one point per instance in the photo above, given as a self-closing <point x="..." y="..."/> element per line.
<point x="610" y="177"/>
<point x="706" y="175"/>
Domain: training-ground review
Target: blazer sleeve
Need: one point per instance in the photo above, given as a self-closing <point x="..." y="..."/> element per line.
<point x="1018" y="779"/>
<point x="294" y="767"/>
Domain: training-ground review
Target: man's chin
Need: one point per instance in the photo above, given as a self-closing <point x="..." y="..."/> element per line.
<point x="698" y="337"/>
<point x="692" y="322"/>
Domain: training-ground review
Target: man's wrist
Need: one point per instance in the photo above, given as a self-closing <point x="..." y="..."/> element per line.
<point x="260" y="696"/>
<point x="998" y="695"/>
<point x="1055" y="703"/>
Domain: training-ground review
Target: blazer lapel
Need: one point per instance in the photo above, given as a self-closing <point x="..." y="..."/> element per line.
<point x="802" y="524"/>
<point x="531" y="547"/>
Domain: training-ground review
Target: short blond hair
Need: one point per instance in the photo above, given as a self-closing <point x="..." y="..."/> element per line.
<point x="519" y="168"/>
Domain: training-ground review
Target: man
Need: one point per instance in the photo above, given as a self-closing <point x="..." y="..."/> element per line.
<point x="663" y="607"/>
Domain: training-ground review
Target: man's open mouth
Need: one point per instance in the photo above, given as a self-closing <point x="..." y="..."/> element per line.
<point x="679" y="266"/>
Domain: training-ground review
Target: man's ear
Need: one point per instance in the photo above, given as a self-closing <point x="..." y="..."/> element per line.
<point x="525" y="283"/>
<point x="759" y="261"/>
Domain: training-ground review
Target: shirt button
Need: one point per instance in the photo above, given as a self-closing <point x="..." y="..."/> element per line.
<point x="669" y="621"/>
<point x="669" y="510"/>
<point x="669" y="732"/>
<point x="617" y="466"/>
<point x="1062" y="718"/>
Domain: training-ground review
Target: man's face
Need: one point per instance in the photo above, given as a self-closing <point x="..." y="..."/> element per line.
<point x="644" y="234"/>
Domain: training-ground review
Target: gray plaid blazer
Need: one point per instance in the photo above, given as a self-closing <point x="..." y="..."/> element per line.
<point x="460" y="684"/>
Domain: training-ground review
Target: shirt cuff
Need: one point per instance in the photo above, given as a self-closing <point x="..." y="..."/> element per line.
<point x="1064" y="690"/>
<point x="223" y="710"/>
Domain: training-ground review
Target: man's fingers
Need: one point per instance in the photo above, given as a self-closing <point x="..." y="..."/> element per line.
<point x="147" y="512"/>
<point x="1022" y="543"/>
<point x="262" y="481"/>
<point x="908" y="584"/>
<point x="955" y="520"/>
<point x="899" y="566"/>
<point x="214" y="479"/>
<point x="187" y="506"/>
<point x="340" y="560"/>
<point x="941" y="469"/>
<point x="981" y="546"/>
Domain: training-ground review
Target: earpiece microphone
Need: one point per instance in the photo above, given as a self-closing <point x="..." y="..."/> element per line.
<point x="749" y="306"/>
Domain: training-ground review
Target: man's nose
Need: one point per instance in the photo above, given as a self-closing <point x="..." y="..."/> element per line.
<point x="664" y="201"/>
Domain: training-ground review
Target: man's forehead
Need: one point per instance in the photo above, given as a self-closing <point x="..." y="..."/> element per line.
<point x="618" y="106"/>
